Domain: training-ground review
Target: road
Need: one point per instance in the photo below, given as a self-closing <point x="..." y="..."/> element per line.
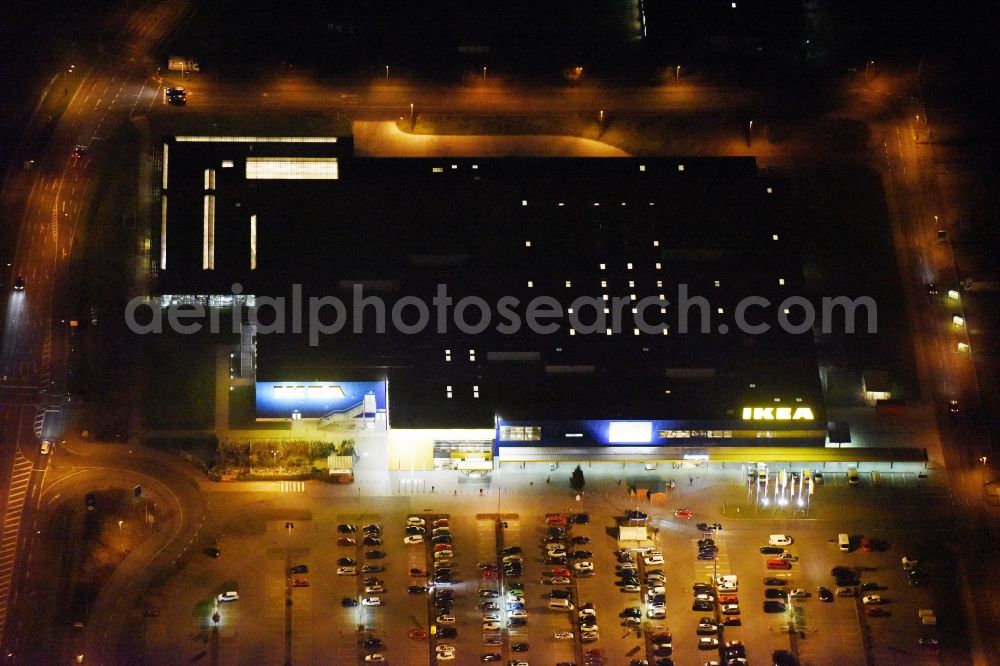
<point x="893" y="109"/>
<point x="82" y="102"/>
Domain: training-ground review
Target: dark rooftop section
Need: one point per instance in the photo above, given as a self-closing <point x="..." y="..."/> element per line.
<point x="520" y="228"/>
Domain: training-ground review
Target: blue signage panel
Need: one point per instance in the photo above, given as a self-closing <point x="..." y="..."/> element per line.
<point x="311" y="400"/>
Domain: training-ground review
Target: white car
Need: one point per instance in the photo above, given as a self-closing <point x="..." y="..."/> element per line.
<point x="779" y="540"/>
<point x="653" y="559"/>
<point x="799" y="593"/>
<point x="563" y="635"/>
<point x="415" y="521"/>
<point x="583" y="566"/>
<point x="446" y="656"/>
<point x="657" y="613"/>
<point x="491" y="617"/>
<point x="584" y="612"/>
<point x="556" y="552"/>
<point x="631" y="588"/>
<point x="444" y="648"/>
<point x="371" y="601"/>
<point x="491" y="626"/>
<point x="655" y="579"/>
<point x="229" y="596"/>
<point x="559" y="580"/>
<point x="347" y="571"/>
<point x="517" y="613"/>
<point x="46" y="447"/>
<point x="374" y="589"/>
<point x="653" y="591"/>
<point x="377" y="658"/>
<point x="871" y="600"/>
<point x="446" y="619"/>
<point x="413" y="539"/>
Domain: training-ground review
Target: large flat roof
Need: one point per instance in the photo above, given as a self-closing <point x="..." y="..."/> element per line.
<point x="516" y="228"/>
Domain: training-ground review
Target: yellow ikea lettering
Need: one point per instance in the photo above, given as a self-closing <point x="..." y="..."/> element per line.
<point x="777" y="414"/>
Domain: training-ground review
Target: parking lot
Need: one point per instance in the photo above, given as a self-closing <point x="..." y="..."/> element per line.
<point x="275" y="621"/>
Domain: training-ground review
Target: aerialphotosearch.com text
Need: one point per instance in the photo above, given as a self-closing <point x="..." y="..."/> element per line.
<point x="319" y="316"/>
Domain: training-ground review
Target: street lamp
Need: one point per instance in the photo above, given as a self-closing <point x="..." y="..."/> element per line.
<point x="120" y="544"/>
<point x="412" y="125"/>
<point x="387" y="72"/>
<point x="677" y="73"/>
<point x="484" y="75"/>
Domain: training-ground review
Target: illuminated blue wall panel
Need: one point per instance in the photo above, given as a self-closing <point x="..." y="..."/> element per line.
<point x="317" y="399"/>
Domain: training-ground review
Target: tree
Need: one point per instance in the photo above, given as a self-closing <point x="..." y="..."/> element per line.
<point x="576" y="480"/>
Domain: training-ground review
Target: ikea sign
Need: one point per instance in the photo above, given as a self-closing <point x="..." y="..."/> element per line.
<point x="778" y="414"/>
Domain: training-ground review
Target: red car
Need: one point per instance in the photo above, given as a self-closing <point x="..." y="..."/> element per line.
<point x="300" y="582"/>
<point x="561" y="571"/>
<point x="729" y="599"/>
<point x="417" y="573"/>
<point x="438" y="547"/>
<point x="686" y="514"/>
<point x="418" y="634"/>
<point x="866" y="544"/>
<point x="489" y="574"/>
<point x="556" y="520"/>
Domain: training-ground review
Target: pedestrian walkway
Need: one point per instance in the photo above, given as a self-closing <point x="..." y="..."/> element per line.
<point x="19" y="478"/>
<point x="292" y="486"/>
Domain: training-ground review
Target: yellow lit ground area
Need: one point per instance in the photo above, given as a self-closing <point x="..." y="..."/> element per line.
<point x="292" y="168"/>
<point x="415" y="449"/>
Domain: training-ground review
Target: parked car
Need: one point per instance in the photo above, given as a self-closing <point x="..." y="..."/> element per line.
<point x="825" y="595"/>
<point x="232" y="595"/>
<point x="774" y="607"/>
<point x="345" y="528"/>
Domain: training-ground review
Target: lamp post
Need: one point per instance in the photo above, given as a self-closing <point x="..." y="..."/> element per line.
<point x="484" y="75"/>
<point x="387" y="72"/>
<point x="120" y="544"/>
<point x="413" y="121"/>
<point x="750" y="135"/>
